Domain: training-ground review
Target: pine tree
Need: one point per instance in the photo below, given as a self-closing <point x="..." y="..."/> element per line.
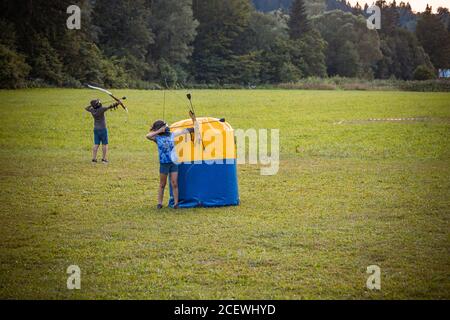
<point x="444" y="16"/>
<point x="298" y="21"/>
<point x="389" y="17"/>
<point x="357" y="9"/>
<point x="434" y="38"/>
<point x="125" y="33"/>
<point x="174" y="26"/>
<point x="217" y="46"/>
<point x="352" y="49"/>
<point x="13" y="68"/>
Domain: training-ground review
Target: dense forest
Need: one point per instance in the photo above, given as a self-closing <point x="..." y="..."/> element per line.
<point x="133" y="43"/>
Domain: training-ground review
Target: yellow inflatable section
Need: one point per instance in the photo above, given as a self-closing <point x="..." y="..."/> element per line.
<point x="217" y="141"/>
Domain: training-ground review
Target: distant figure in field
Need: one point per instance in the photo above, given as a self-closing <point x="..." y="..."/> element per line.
<point x="161" y="135"/>
<point x="100" y="130"/>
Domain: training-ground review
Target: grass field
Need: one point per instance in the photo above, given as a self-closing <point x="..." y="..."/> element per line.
<point x="349" y="194"/>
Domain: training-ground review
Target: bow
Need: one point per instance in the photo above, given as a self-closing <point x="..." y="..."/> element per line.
<point x="197" y="133"/>
<point x="111" y="95"/>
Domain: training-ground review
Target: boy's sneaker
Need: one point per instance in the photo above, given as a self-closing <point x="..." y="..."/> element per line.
<point x="175" y="206"/>
<point x="159" y="206"/>
<point x="94" y="160"/>
<point x="104" y="161"/>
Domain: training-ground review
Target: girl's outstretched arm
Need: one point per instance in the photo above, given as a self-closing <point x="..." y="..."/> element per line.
<point x="181" y="132"/>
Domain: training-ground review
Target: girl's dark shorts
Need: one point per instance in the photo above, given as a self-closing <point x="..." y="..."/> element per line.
<point x="166" y="168"/>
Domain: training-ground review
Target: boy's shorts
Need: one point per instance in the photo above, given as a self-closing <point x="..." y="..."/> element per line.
<point x="100" y="136"/>
<point x="166" y="168"/>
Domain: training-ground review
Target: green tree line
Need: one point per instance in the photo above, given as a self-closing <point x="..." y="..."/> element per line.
<point x="131" y="43"/>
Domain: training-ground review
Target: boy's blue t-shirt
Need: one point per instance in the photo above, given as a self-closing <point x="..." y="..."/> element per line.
<point x="166" y="148"/>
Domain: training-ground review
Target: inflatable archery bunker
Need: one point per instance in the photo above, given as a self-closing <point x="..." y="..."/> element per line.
<point x="207" y="175"/>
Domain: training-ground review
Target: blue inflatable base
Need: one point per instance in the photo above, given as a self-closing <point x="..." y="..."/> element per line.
<point x="207" y="185"/>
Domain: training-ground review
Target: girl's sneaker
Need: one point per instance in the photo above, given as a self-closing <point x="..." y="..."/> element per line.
<point x="94" y="160"/>
<point x="104" y="161"/>
<point x="159" y="206"/>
